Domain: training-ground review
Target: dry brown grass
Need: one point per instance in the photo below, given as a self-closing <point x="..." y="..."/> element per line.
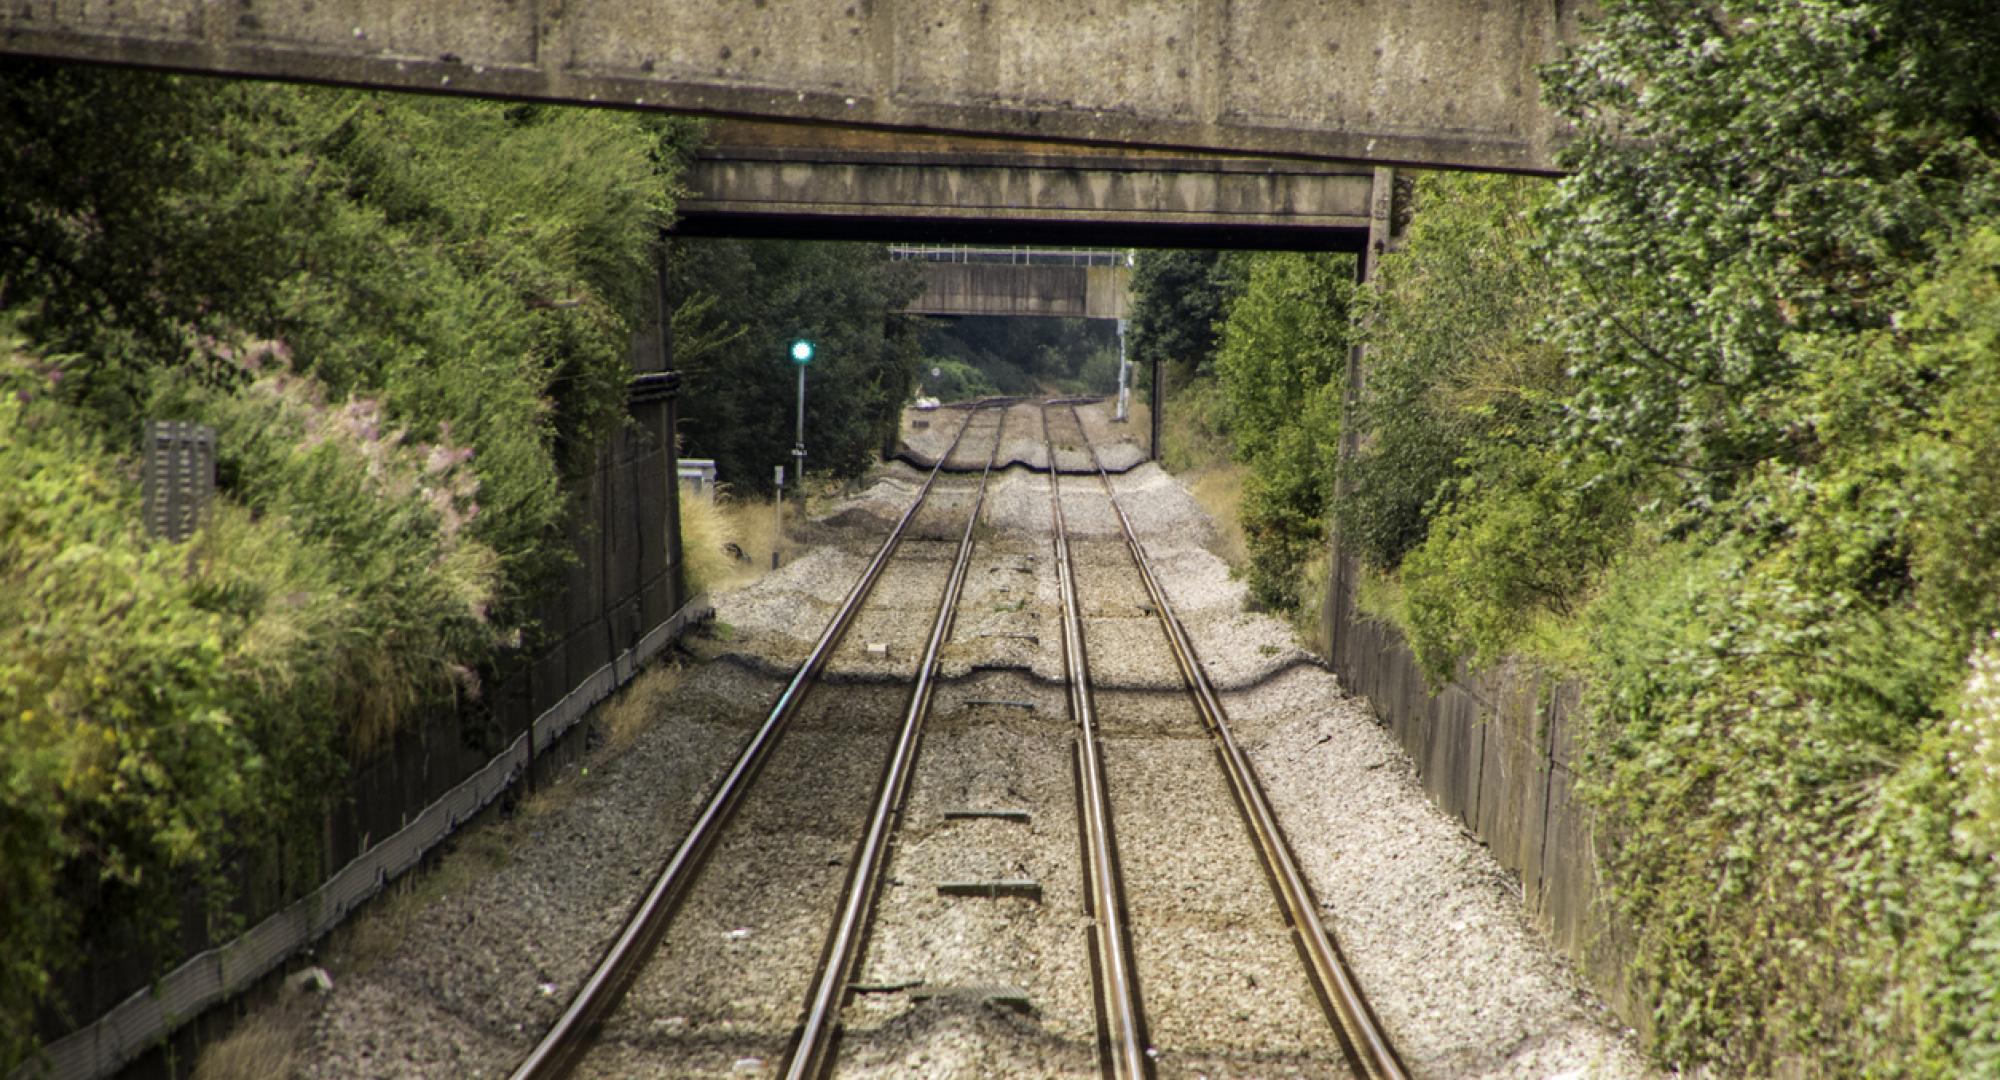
<point x="635" y="708"/>
<point x="263" y="1047"/>
<point x="709" y="527"/>
<point x="1218" y="490"/>
<point x="1139" y="418"/>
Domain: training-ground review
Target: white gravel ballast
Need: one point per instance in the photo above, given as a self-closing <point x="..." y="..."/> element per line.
<point x="463" y="982"/>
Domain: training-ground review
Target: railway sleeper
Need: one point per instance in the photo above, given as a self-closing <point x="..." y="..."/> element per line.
<point x="1023" y="888"/>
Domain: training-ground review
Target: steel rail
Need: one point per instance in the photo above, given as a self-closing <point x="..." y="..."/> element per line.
<point x="812" y="1049"/>
<point x="564" y="1043"/>
<point x="1361" y="1034"/>
<point x="1122" y="1039"/>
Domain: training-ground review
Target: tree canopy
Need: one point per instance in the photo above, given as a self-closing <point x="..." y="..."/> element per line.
<point x="742" y="303"/>
<point x="1709" y="426"/>
<point x="1179" y="298"/>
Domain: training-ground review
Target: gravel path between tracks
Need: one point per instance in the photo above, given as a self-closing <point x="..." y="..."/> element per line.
<point x="463" y="983"/>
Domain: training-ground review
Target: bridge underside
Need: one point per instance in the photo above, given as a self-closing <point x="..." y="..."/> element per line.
<point x="989" y="231"/>
<point x="1446" y="83"/>
<point x="1075" y="292"/>
<point x="803" y="181"/>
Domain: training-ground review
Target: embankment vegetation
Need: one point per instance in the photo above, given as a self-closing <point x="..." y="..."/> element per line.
<point x="981" y="355"/>
<point x="409" y="321"/>
<point x="1711" y="423"/>
<point x="738" y="306"/>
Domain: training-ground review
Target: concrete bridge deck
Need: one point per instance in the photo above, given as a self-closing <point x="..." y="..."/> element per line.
<point x="1416" y="82"/>
<point x="830" y="183"/>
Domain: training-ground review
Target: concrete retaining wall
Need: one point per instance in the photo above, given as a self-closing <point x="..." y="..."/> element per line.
<point x="1499" y="753"/>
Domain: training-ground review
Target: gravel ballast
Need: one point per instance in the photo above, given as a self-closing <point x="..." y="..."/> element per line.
<point x="986" y="985"/>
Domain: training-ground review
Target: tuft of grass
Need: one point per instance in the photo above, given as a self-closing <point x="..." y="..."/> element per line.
<point x="1218" y="489"/>
<point x="1380" y="596"/>
<point x="636" y="707"/>
<point x="709" y="527"/>
<point x="1195" y="446"/>
<point x="261" y="1048"/>
<point x="1195" y="431"/>
<point x="1314" y="576"/>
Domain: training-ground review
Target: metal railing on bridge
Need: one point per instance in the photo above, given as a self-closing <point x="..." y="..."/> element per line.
<point x="1010" y="256"/>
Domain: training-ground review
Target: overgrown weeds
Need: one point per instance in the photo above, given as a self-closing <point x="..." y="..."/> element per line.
<point x="409" y="321"/>
<point x="726" y="541"/>
<point x="263" y="1047"/>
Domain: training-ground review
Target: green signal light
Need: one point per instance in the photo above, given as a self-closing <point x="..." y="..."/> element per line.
<point x="802" y="352"/>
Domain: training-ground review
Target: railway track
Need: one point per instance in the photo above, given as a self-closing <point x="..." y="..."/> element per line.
<point x="576" y="1031"/>
<point x="1123" y="969"/>
<point x="1361" y="1039"/>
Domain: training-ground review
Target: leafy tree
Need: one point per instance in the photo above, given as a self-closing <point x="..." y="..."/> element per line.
<point x="1027" y="355"/>
<point x="1280" y="367"/>
<point x="1458" y="356"/>
<point x="750" y="300"/>
<point x="1179" y="299"/>
<point x="1745" y="172"/>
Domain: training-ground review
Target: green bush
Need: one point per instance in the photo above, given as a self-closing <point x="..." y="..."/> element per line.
<point x="102" y="783"/>
<point x="1755" y="752"/>
<point x="150" y="694"/>
<point x="394" y="520"/>
<point x="1791" y="737"/>
<point x="1520" y="538"/>
<point x="1179" y="301"/>
<point x="1028" y="355"/>
<point x="409" y="320"/>
<point x="1279" y="369"/>
<point x="956" y="380"/>
<point x="1458" y="355"/>
<point x="166" y="706"/>
<point x="1285" y="497"/>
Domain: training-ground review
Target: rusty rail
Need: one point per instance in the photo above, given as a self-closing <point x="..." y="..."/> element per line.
<point x="565" y="1042"/>
<point x="1361" y="1035"/>
<point x="1122" y="1041"/>
<point x="814" y="1044"/>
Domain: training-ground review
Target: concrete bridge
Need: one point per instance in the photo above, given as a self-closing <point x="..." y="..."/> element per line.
<point x="1417" y="82"/>
<point x="809" y="181"/>
<point x="1021" y="281"/>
